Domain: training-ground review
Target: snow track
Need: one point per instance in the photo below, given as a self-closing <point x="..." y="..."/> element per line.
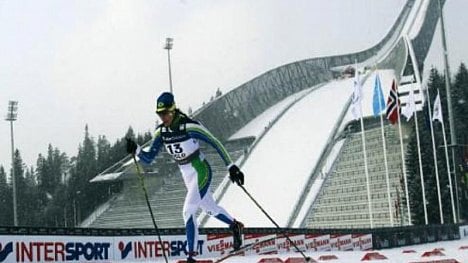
<point x="280" y="165"/>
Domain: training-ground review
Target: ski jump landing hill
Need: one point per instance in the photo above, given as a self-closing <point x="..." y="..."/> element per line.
<point x="284" y="127"/>
<point x="300" y="141"/>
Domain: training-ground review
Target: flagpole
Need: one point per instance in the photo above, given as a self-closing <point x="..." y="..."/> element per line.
<point x="434" y="151"/>
<point x="435" y="158"/>
<point x="410" y="110"/>
<point x="448" y="166"/>
<point x="403" y="163"/>
<point x="449" y="175"/>
<point x="453" y="135"/>
<point x="386" y="171"/>
<point x="385" y="155"/>
<point x="363" y="138"/>
<point x="420" y="167"/>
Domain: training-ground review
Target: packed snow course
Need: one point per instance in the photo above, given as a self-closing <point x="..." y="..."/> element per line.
<point x="451" y="250"/>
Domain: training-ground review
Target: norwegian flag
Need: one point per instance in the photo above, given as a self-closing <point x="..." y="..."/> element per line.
<point x="393" y="104"/>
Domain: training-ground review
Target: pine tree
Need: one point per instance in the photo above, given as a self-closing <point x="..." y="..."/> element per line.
<point x="6" y="202"/>
<point x="437" y="83"/>
<point x="130" y="133"/>
<point x="427" y="156"/>
<point x="459" y="98"/>
<point x="51" y="176"/>
<point x="104" y="158"/>
<point x="32" y="205"/>
<point x="51" y="170"/>
<point x="85" y="168"/>
<point x="60" y="165"/>
<point x="20" y="186"/>
<point x="218" y="93"/>
<point x="460" y="109"/>
<point x="414" y="176"/>
<point x="414" y="182"/>
<point x="25" y="192"/>
<point x="147" y="136"/>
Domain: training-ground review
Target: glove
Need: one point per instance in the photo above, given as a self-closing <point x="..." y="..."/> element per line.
<point x="131" y="146"/>
<point x="236" y="175"/>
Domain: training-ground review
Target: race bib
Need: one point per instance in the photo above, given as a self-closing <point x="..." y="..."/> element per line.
<point x="182" y="150"/>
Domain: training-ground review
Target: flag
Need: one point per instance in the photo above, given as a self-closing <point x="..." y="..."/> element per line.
<point x="378" y="102"/>
<point x="393" y="104"/>
<point x="437" y="115"/>
<point x="410" y="108"/>
<point x="357" y="97"/>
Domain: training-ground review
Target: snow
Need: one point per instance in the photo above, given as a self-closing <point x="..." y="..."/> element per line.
<point x="411" y="28"/>
<point x="451" y="249"/>
<point x="106" y="177"/>
<point x="419" y="20"/>
<point x="284" y="158"/>
<point x="393" y="41"/>
<point x="394" y="255"/>
<point x="257" y="125"/>
<point x="414" y="13"/>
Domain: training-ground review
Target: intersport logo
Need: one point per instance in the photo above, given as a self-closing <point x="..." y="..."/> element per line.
<point x="53" y="251"/>
<point x="150" y="249"/>
<point x="125" y="249"/>
<point x="5" y="251"/>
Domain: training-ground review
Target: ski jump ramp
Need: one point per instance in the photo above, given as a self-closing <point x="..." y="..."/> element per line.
<point x="279" y="166"/>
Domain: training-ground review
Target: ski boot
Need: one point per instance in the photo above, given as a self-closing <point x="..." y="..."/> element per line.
<point x="237" y="229"/>
<point x="190" y="258"/>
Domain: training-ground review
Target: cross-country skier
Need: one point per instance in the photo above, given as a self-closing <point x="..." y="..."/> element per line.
<point x="180" y="136"/>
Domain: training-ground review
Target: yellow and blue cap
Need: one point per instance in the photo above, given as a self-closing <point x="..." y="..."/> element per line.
<point x="165" y="102"/>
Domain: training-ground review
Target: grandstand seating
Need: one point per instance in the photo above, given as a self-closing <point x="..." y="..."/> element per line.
<point x="166" y="192"/>
<point x="342" y="201"/>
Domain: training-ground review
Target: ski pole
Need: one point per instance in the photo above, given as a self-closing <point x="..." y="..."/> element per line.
<point x="307" y="259"/>
<point x="142" y="182"/>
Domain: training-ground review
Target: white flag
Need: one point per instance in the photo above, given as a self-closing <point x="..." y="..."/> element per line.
<point x="410" y="107"/>
<point x="357" y="97"/>
<point x="437" y="115"/>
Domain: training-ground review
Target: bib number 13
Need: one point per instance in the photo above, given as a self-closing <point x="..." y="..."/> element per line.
<point x="174" y="148"/>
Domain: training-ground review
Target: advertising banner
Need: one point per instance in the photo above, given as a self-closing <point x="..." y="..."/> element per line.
<point x="17" y="248"/>
<point x="362" y="242"/>
<point x="317" y="242"/>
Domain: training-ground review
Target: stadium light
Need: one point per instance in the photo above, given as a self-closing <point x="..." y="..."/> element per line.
<point x="11" y="117"/>
<point x="168" y="47"/>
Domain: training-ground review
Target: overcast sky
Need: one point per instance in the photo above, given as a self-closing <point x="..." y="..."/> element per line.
<point x="102" y="63"/>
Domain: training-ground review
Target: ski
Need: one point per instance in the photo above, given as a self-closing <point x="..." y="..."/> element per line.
<point x="242" y="249"/>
